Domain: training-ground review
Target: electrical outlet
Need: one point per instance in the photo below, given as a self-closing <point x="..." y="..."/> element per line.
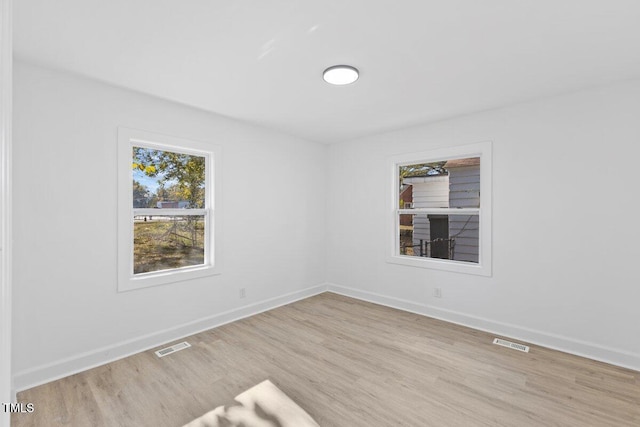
<point x="243" y="292"/>
<point x="437" y="292"/>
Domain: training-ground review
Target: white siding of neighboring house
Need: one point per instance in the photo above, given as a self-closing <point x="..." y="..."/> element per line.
<point x="428" y="192"/>
<point x="464" y="192"/>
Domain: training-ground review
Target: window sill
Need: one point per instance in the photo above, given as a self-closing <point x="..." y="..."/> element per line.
<point x="442" y="265"/>
<point x="146" y="280"/>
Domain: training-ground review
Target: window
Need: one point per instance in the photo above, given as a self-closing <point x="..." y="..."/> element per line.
<point x="441" y="209"/>
<point x="166" y="221"/>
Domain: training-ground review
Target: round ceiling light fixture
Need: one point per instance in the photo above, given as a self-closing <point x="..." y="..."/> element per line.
<point x="340" y="75"/>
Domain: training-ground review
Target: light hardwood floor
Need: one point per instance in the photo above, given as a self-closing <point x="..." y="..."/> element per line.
<point x="348" y="363"/>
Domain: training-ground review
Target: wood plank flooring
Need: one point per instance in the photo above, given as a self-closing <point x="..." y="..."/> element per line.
<point x="348" y="363"/>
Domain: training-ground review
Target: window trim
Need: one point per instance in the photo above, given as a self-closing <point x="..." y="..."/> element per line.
<point x="484" y="265"/>
<point x="128" y="138"/>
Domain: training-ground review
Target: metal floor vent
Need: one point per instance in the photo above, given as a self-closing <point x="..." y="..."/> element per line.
<point x="512" y="345"/>
<point x="176" y="347"/>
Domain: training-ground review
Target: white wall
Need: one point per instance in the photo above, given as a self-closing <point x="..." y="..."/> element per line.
<point x="565" y="229"/>
<point x="67" y="312"/>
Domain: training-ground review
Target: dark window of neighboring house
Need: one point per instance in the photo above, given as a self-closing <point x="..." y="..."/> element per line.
<point x="439" y="225"/>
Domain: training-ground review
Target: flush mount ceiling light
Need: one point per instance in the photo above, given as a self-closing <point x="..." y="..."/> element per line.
<point x="340" y="75"/>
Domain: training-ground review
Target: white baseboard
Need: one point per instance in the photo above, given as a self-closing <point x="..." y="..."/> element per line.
<point x="544" y="339"/>
<point x="62" y="368"/>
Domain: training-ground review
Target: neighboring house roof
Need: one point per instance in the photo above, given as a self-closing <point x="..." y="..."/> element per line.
<point x="450" y="164"/>
<point x="458" y="163"/>
<point x="169" y="204"/>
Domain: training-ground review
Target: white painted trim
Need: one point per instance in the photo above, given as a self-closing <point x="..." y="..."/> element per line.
<point x="127" y="138"/>
<point x="480" y="149"/>
<point x="77" y="363"/>
<point x="565" y="344"/>
<point x="6" y="111"/>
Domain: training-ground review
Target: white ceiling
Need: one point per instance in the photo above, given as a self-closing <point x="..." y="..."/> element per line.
<point x="262" y="60"/>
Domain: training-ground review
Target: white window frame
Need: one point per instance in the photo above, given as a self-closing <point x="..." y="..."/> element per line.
<point x="127" y="139"/>
<point x="482" y="150"/>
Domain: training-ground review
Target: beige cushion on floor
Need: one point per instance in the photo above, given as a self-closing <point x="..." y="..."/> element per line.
<point x="263" y="405"/>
